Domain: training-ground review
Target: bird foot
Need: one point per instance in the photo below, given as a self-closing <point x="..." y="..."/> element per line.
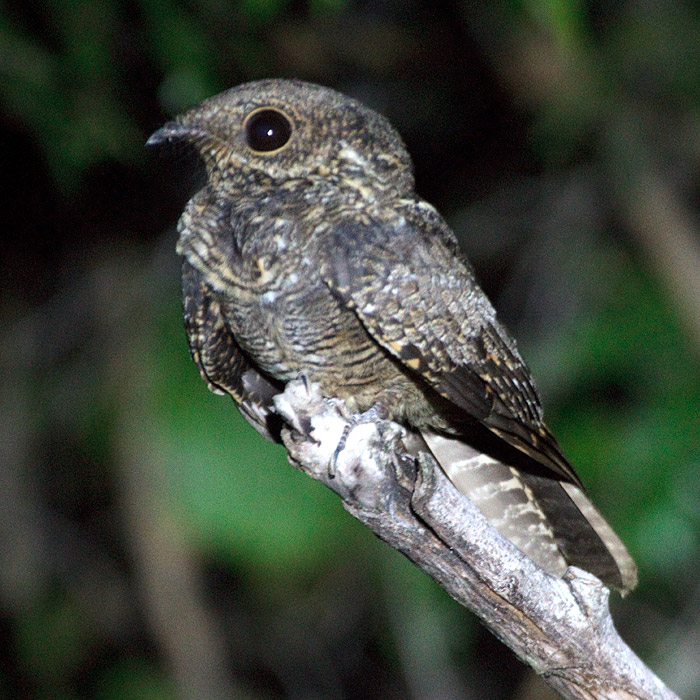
<point x="372" y="415"/>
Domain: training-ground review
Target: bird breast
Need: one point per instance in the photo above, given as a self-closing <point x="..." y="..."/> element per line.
<point x="289" y="323"/>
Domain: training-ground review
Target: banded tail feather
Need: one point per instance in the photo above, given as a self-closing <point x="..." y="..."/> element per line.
<point x="550" y="520"/>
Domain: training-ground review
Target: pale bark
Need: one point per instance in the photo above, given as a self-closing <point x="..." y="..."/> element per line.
<point x="560" y="627"/>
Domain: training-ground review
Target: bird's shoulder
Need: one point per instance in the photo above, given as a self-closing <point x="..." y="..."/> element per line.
<point x="402" y="263"/>
<point x="417" y="297"/>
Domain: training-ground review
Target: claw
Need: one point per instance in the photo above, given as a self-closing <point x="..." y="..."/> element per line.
<point x="371" y="415"/>
<point x="339" y="448"/>
<point x="304" y="378"/>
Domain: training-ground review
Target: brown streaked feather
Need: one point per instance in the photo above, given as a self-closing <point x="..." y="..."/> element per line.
<point x="465" y="356"/>
<point x="552" y="521"/>
<point x="222" y="364"/>
<point x="501" y="494"/>
<point x="516" y="413"/>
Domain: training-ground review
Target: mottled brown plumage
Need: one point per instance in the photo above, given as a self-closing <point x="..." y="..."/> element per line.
<point x="308" y="253"/>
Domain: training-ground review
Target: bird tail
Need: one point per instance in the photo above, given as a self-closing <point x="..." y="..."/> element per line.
<point x="551" y="521"/>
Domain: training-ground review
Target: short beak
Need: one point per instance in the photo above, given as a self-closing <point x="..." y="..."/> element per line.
<point x="170" y="132"/>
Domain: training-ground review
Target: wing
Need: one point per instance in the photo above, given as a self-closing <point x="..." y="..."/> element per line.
<point x="222" y="364"/>
<point x="419" y="300"/>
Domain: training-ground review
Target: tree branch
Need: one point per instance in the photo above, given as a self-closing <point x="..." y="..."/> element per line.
<point x="560" y="627"/>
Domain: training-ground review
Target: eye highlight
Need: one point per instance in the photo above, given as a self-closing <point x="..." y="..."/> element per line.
<point x="267" y="130"/>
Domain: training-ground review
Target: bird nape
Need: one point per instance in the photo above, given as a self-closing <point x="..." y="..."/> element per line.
<point x="308" y="252"/>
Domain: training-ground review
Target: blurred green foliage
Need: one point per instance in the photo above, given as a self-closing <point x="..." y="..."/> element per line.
<point x="309" y="604"/>
<point x="642" y="424"/>
<point x="134" y="679"/>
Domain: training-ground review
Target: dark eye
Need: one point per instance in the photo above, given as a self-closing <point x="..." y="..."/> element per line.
<point x="267" y="130"/>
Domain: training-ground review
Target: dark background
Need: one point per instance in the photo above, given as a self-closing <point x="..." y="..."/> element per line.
<point x="152" y="545"/>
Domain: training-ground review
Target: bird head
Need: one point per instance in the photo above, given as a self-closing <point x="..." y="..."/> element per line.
<point x="291" y="130"/>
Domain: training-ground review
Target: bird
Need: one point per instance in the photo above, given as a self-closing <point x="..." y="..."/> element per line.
<point x="307" y="253"/>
